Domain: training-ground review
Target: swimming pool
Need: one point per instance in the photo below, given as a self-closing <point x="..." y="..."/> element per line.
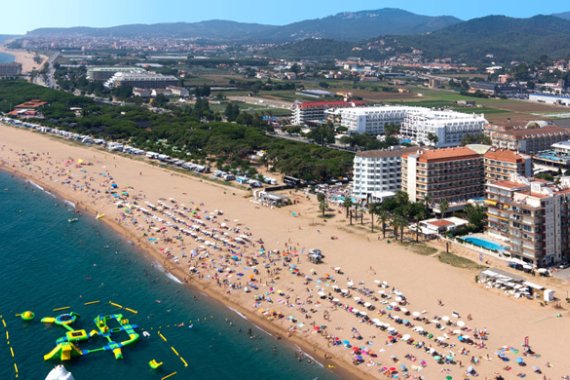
<point x="479" y="242"/>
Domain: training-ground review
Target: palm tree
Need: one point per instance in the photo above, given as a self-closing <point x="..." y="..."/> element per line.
<point x="420" y="212"/>
<point x="323" y="206"/>
<point x="347" y="204"/>
<point x="383" y="217"/>
<point x="400" y="222"/>
<point x="373" y="209"/>
<point x="443" y="207"/>
<point x="322" y="203"/>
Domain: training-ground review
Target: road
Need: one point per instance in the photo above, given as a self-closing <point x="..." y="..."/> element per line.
<point x="48" y="79"/>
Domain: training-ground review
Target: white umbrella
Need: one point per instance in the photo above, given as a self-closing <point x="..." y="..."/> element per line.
<point x="406" y="337"/>
<point x="377" y="282"/>
<point x="376" y="321"/>
<point x="367" y="304"/>
<point x="416" y="314"/>
<point x="393" y="304"/>
<point x="445" y="318"/>
<point x="460" y="324"/>
<point x="404" y="310"/>
<point x="336" y="300"/>
<point x="350" y="284"/>
<point x="363" y="314"/>
<point x="357" y="299"/>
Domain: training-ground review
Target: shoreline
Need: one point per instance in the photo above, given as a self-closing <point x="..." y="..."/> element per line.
<point x="357" y="254"/>
<point x="25" y="58"/>
<point x="340" y="368"/>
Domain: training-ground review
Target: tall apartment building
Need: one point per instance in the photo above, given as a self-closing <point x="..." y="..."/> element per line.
<point x="9" y="70"/>
<point x="532" y="217"/>
<point x="306" y="112"/>
<point x="376" y="171"/>
<point x="422" y="125"/>
<point x="141" y="80"/>
<point x="451" y="174"/>
<point x="502" y="164"/>
<point x="104" y="73"/>
<point x="529" y="139"/>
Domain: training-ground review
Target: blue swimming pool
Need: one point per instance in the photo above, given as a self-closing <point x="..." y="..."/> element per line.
<point x="479" y="242"/>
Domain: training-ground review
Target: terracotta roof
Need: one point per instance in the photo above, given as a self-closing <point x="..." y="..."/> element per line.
<point x="447" y="154"/>
<point x="441" y="223"/>
<point x="529" y="132"/>
<point x="387" y="152"/>
<point x="504" y="155"/>
<point x="330" y="104"/>
<point x="509" y="184"/>
<point x="33" y="103"/>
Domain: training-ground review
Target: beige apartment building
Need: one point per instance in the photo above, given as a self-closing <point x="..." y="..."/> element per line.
<point x="451" y="174"/>
<point x="531" y="216"/>
<point x="501" y="164"/>
<point x="529" y="139"/>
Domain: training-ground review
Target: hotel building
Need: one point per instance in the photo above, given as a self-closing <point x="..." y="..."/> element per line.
<point x="451" y="174"/>
<point x="315" y="112"/>
<point x="422" y="125"/>
<point x="530" y="139"/>
<point x="141" y="80"/>
<point x="377" y="171"/>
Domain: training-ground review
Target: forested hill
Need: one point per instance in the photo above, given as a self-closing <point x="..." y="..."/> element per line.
<point x="493" y="38"/>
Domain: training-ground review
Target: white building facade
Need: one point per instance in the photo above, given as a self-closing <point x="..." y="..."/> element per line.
<point x="422" y="125"/>
<point x="378" y="171"/>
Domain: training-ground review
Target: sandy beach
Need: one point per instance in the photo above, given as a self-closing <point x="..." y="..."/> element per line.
<point x="370" y="309"/>
<point x="26" y="58"/>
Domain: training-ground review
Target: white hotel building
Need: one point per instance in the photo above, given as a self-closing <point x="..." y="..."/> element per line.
<point x="416" y="123"/>
<point x="378" y="171"/>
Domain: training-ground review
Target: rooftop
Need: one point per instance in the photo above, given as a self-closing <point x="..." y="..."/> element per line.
<point x="32" y="103"/>
<point x="511" y="185"/>
<point x="386" y="153"/>
<point x="533" y="132"/>
<point x="447" y="154"/>
<point x="504" y="155"/>
<point x="329" y="104"/>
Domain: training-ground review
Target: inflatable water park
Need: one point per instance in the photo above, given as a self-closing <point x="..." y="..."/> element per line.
<point x="111" y="332"/>
<point x="107" y="326"/>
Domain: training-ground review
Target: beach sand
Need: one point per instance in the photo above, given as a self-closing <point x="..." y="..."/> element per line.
<point x="424" y="281"/>
<point x="26" y="58"/>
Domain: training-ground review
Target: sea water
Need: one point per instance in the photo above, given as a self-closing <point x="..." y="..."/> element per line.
<point x="5" y="57"/>
<point x="47" y="262"/>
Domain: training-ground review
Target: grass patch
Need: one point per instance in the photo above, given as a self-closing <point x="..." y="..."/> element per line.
<point x="458" y="261"/>
<point x="420" y="248"/>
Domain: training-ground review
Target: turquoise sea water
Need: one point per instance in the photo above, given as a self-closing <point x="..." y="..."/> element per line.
<point x="46" y="262"/>
<point x="5" y="57"/>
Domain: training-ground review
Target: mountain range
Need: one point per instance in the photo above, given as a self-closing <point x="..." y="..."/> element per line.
<point x="486" y="39"/>
<point x="347" y="26"/>
<point x="371" y="34"/>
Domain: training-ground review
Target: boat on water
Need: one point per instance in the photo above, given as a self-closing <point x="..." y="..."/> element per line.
<point x="72" y="220"/>
<point x="59" y="373"/>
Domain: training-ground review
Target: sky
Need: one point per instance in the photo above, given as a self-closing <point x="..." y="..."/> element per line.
<point x="20" y="18"/>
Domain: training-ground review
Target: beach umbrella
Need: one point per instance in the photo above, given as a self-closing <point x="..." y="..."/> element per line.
<point x="406" y="337"/>
<point x="445" y="318"/>
<point x="346" y="343"/>
<point x="460" y="324"/>
<point x="416" y="314"/>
